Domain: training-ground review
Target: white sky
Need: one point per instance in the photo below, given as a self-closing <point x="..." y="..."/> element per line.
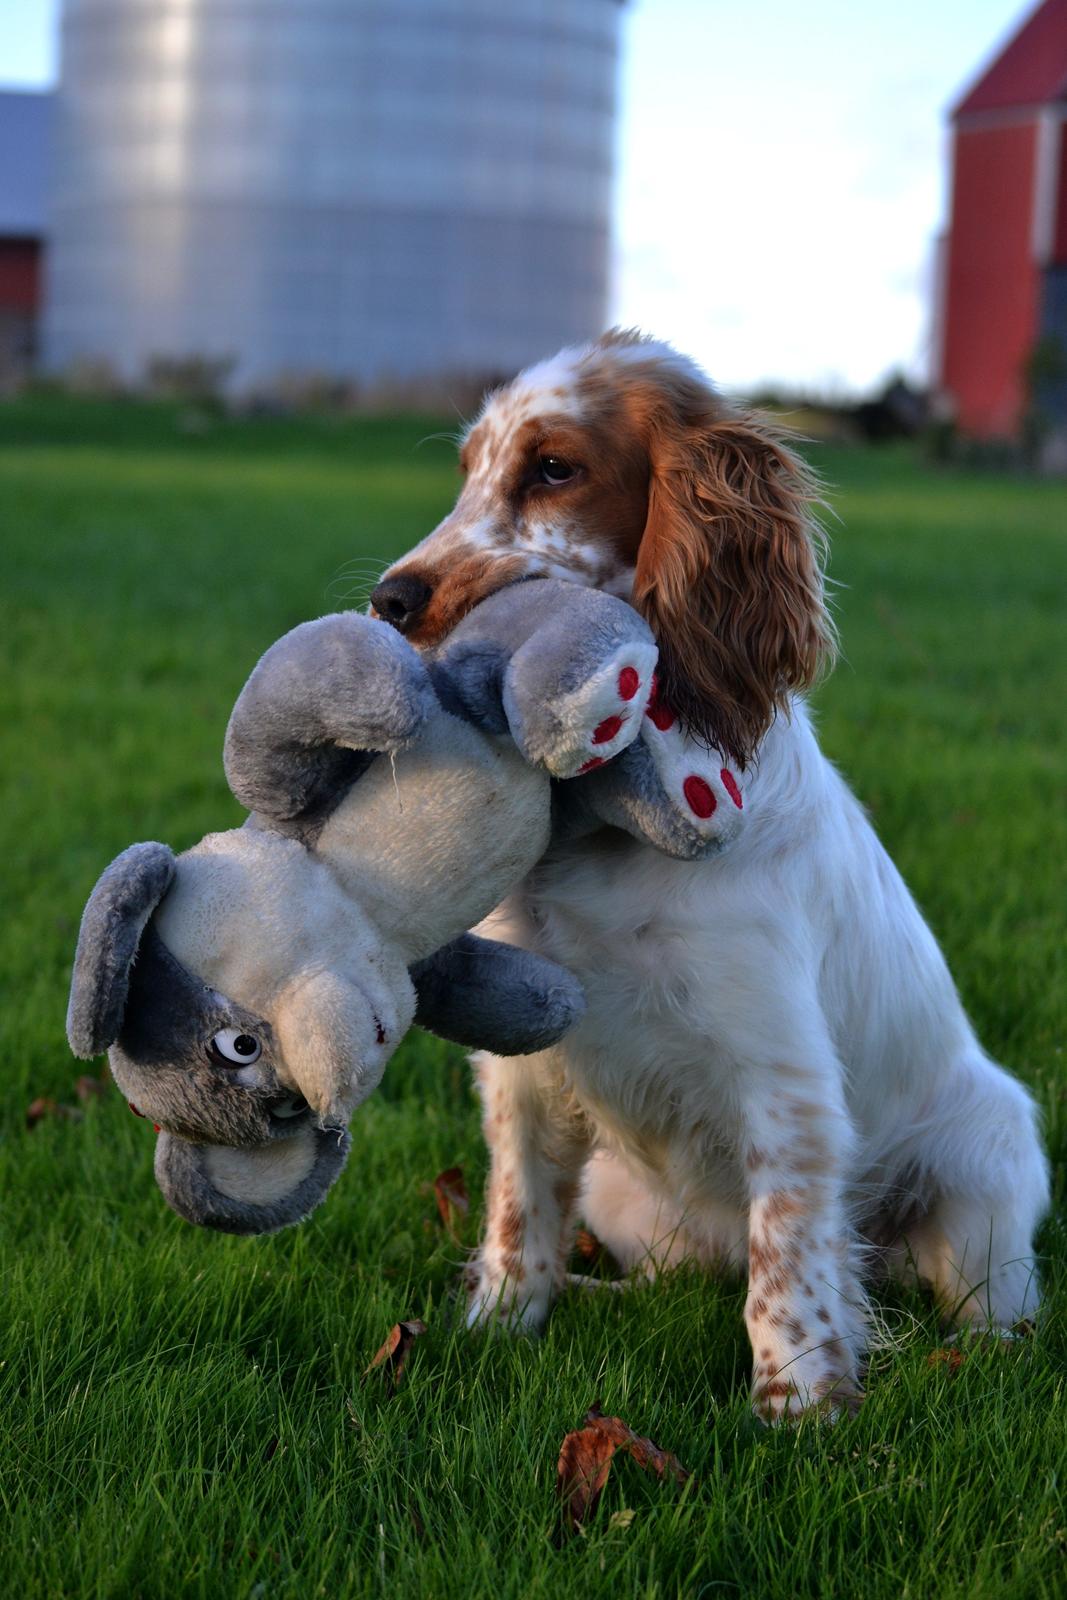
<point x="781" y="175"/>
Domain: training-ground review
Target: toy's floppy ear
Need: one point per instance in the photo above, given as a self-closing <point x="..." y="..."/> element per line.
<point x="114" y="919"/>
<point x="250" y="1191"/>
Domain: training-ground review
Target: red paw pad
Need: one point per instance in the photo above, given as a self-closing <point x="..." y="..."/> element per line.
<point x="597" y="761"/>
<point x="699" y="797"/>
<point x="729" y="783"/>
<point x="607" y="730"/>
<point x="629" y="683"/>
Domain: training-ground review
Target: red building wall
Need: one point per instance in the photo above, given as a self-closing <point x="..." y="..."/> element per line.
<point x="993" y="285"/>
<point x="20" y="275"/>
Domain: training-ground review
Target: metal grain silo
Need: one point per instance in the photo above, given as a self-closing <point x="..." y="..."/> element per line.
<point x="363" y="188"/>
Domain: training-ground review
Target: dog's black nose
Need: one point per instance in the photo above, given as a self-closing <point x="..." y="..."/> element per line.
<point x="400" y="600"/>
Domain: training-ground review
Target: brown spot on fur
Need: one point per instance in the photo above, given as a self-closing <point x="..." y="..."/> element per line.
<point x="509" y="1229"/>
<point x="758" y="1310"/>
<point x="782" y="1204"/>
<point x="796" y="1330"/>
<point x="762" y="1256"/>
<point x="778" y="1388"/>
<point x="823" y="1315"/>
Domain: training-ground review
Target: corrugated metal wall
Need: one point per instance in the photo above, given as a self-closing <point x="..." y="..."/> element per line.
<point x="364" y="188"/>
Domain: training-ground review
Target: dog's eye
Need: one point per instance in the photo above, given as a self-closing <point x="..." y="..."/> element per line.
<point x="232" y="1048"/>
<point x="554" y="469"/>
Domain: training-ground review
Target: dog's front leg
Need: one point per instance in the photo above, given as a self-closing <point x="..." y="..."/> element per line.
<point x="805" y="1311"/>
<point x="537" y="1145"/>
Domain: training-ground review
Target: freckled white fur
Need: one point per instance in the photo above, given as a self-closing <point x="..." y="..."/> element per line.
<point x="782" y="998"/>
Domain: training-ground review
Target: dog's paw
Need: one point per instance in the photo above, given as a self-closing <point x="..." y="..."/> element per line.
<point x="503" y="1308"/>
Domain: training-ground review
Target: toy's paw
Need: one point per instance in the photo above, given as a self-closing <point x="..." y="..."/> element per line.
<point x="580" y="730"/>
<point x="696" y="783"/>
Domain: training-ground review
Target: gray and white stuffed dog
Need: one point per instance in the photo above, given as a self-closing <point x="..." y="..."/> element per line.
<point x="250" y="991"/>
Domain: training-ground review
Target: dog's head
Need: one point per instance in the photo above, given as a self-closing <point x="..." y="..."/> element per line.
<point x="617" y="465"/>
<point x="229" y="1026"/>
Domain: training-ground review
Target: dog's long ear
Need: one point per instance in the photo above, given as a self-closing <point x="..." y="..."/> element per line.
<point x="250" y="1191"/>
<point x="728" y="570"/>
<point x="125" y="896"/>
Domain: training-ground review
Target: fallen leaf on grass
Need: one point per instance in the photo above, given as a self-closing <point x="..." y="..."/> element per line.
<point x="453" y="1202"/>
<point x="662" y="1462"/>
<point x="44" y="1107"/>
<point x="587" y="1245"/>
<point x="89" y="1088"/>
<point x="581" y="1473"/>
<point x="952" y="1358"/>
<point x="394" y="1352"/>
<point x="585" y="1462"/>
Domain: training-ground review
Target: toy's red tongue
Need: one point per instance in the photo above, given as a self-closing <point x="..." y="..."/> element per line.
<point x="133" y="1108"/>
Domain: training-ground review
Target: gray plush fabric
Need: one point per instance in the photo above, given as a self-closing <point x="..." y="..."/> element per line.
<point x="183" y="1176"/>
<point x="627" y="794"/>
<point x="321" y="702"/>
<point x="119" y="907"/>
<point x="510" y="661"/>
<point x="490" y="996"/>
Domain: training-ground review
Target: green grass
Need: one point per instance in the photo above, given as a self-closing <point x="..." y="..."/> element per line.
<point x="184" y="1414"/>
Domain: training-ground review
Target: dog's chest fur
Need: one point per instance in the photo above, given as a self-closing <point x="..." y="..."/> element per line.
<point x="645" y="1061"/>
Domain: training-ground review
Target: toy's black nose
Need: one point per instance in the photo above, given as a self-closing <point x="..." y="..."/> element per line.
<point x="401" y="600"/>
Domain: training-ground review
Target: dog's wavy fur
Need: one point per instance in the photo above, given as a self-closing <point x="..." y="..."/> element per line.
<point x="775" y="1070"/>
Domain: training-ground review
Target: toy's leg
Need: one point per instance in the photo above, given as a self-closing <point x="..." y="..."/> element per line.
<point x="478" y="992"/>
<point x="975" y="1245"/>
<point x="537" y="1147"/>
<point x="665" y="790"/>
<point x="575" y="695"/>
<point x="321" y="702"/>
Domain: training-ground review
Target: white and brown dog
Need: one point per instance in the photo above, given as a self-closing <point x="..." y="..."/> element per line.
<point x="774" y="1071"/>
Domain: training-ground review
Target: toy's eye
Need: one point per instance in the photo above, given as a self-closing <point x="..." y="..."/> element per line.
<point x="555" y="470"/>
<point x="232" y="1048"/>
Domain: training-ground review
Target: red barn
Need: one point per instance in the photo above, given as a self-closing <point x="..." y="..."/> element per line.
<point x="1003" y="313"/>
<point x="25" y="126"/>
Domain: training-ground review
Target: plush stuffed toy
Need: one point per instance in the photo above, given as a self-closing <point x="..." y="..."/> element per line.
<point x="250" y="991"/>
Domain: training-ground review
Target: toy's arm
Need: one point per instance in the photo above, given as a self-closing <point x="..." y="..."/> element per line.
<point x="566" y="671"/>
<point x="492" y="996"/>
<point x="322" y="702"/>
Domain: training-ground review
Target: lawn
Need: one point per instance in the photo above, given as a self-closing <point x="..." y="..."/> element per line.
<point x="186" y="1414"/>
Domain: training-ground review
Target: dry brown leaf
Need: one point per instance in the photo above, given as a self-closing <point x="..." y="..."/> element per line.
<point x="587" y="1245"/>
<point x="89" y="1088"/>
<point x="951" y="1357"/>
<point x="648" y="1455"/>
<point x="394" y="1352"/>
<point x="581" y="1473"/>
<point x="453" y="1202"/>
<point x="585" y="1463"/>
<point x="44" y="1107"/>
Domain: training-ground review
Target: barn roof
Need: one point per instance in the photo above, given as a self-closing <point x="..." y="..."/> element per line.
<point x="1030" y="70"/>
<point x="25" y="130"/>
